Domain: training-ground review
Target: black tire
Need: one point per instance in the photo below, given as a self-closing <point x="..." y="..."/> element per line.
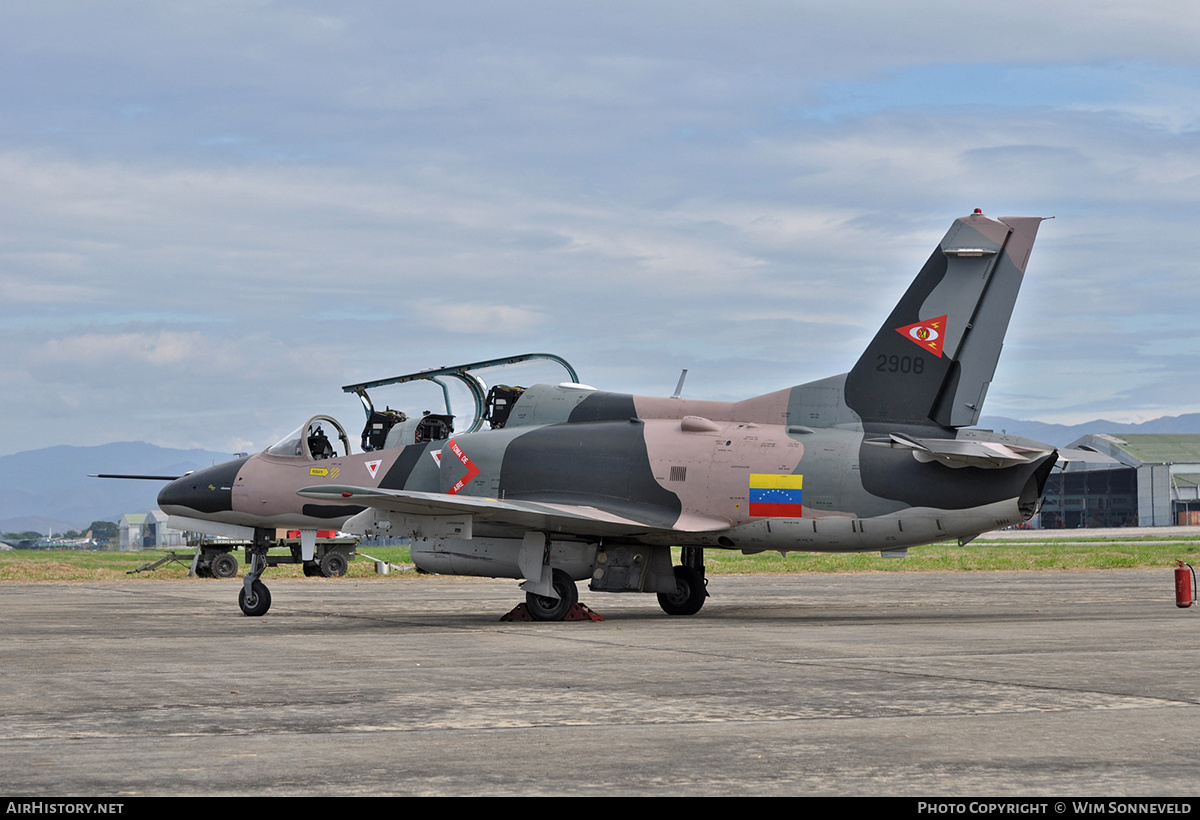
<point x="223" y="566"/>
<point x="313" y="570"/>
<point x="259" y="601"/>
<point x="689" y="593"/>
<point x="542" y="608"/>
<point x="334" y="565"/>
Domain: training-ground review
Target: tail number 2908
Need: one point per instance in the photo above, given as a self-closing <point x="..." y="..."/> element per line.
<point x="901" y="364"/>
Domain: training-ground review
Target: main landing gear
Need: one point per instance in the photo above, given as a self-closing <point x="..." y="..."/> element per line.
<point x="545" y="608"/>
<point x="686" y="599"/>
<point x="688" y="596"/>
<point x="690" y="586"/>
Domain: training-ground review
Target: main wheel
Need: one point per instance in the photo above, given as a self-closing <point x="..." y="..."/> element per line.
<point x="313" y="570"/>
<point x="334" y="564"/>
<point x="223" y="566"/>
<point x="542" y="608"/>
<point x="689" y="593"/>
<point x="257" y="602"/>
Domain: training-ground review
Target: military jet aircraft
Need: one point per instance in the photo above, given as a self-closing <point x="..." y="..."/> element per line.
<point x="556" y="483"/>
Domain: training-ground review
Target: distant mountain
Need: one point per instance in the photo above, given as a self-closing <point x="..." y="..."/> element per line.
<point x="50" y="487"/>
<point x="1060" y="435"/>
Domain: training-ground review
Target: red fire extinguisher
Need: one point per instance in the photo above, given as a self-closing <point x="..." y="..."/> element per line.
<point x="1184" y="585"/>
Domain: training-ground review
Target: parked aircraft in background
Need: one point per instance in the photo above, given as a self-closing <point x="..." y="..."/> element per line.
<point x="557" y="483"/>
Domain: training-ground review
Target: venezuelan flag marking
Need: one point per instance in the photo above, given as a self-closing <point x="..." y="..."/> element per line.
<point x="776" y="495"/>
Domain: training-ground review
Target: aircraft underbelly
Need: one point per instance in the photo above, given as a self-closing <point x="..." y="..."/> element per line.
<point x="913" y="526"/>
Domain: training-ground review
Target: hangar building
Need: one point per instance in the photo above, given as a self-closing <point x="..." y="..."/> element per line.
<point x="1142" y="480"/>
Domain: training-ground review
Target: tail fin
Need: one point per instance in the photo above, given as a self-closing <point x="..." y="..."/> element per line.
<point x="933" y="359"/>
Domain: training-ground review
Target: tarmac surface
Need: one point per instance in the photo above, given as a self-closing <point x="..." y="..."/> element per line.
<point x="936" y="684"/>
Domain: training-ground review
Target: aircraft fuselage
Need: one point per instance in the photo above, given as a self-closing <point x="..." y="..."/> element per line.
<point x="656" y="461"/>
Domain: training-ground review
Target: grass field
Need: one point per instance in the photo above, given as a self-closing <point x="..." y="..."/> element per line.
<point x="1075" y="552"/>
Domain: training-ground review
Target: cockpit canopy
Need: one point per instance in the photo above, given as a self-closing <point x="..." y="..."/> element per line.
<point x="312" y="441"/>
<point x="389" y="428"/>
<point x="322" y="437"/>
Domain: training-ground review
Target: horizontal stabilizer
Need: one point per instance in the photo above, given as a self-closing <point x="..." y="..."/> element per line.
<point x="959" y="453"/>
<point x="1086" y="456"/>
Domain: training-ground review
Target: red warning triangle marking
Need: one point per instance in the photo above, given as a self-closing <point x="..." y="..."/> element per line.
<point x="928" y="335"/>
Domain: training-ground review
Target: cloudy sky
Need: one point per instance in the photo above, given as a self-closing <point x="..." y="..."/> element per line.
<point x="216" y="214"/>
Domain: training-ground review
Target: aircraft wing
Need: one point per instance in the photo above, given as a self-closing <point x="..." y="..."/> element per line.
<point x="580" y="519"/>
<point x="963" y="452"/>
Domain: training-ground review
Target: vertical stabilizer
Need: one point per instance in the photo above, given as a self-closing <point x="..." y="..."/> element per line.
<point x="933" y="359"/>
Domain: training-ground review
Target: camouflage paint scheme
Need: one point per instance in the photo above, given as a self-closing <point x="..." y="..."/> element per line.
<point x="598" y="485"/>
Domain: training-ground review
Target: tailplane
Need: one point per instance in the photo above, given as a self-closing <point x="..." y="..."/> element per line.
<point x="933" y="359"/>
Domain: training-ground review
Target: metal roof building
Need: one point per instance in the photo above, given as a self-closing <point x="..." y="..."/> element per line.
<point x="1147" y="480"/>
<point x="148" y="531"/>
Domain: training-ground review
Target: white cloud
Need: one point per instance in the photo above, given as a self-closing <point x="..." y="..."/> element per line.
<point x="91" y="349"/>
<point x="256" y="203"/>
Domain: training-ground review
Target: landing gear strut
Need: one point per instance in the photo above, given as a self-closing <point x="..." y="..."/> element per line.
<point x="690" y="586"/>
<point x="255" y="598"/>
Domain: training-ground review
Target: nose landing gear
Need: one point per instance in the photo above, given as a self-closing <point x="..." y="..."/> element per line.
<point x="255" y="598"/>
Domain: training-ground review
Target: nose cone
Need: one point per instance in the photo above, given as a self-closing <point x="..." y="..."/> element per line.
<point x="204" y="491"/>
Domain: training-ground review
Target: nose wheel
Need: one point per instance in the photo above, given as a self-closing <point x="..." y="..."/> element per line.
<point x="257" y="601"/>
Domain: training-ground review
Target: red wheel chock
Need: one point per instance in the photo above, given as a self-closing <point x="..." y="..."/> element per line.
<point x="577" y="612"/>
